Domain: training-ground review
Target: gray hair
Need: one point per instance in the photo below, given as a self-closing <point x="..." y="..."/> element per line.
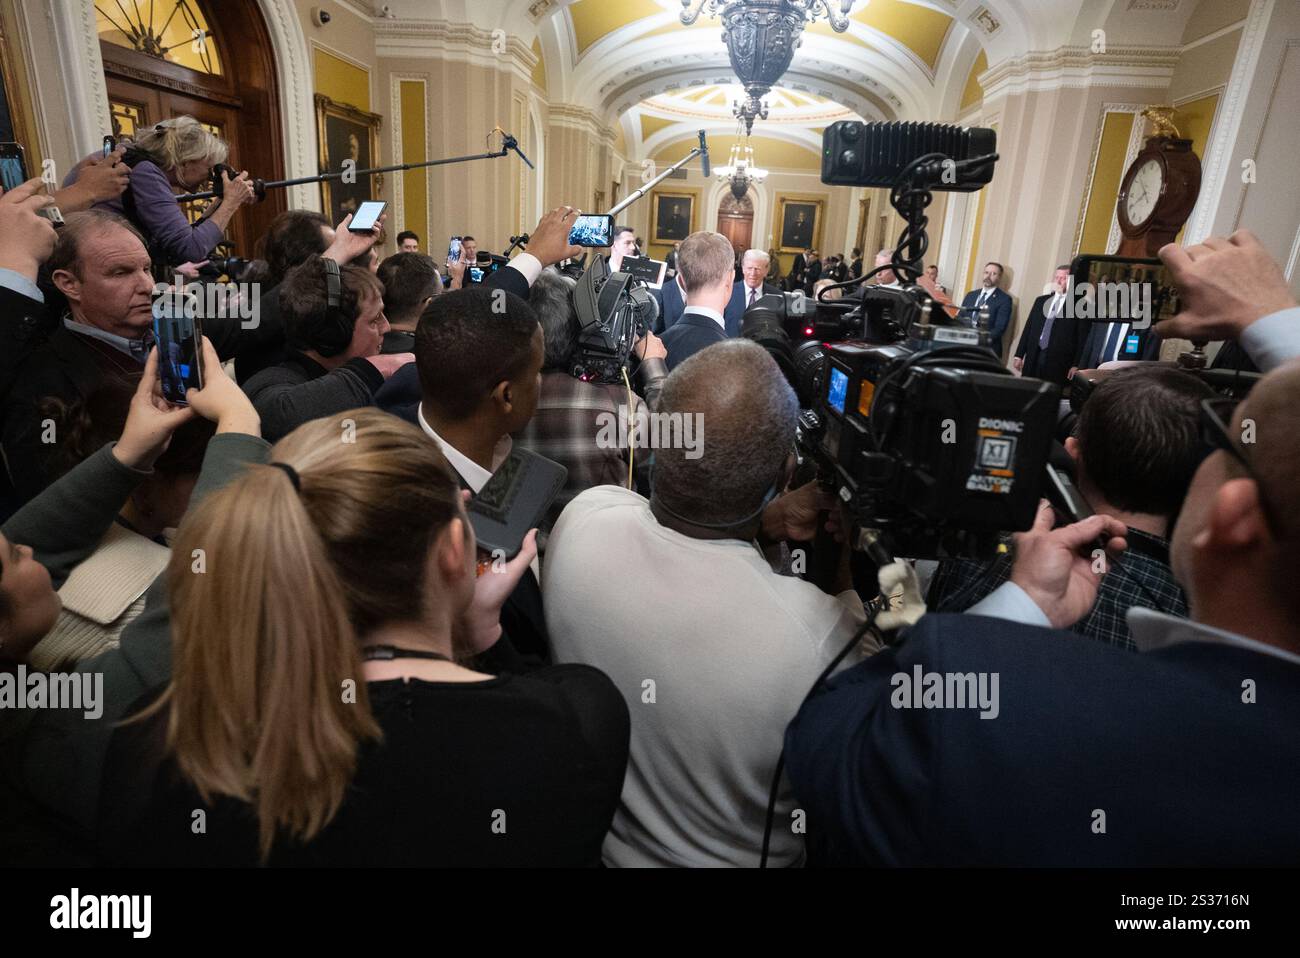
<point x="757" y="254"/>
<point x="551" y="297"/>
<point x="748" y="414"/>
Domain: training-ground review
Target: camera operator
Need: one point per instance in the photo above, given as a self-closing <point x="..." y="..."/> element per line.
<point x="1135" y="449"/>
<point x="181" y="153"/>
<point x="692" y="603"/>
<point x="571" y="414"/>
<point x="1093" y="785"/>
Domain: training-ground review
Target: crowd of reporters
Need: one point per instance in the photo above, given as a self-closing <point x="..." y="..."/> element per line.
<point x="281" y="592"/>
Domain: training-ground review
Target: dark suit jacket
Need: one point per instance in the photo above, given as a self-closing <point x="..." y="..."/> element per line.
<point x="735" y="311"/>
<point x="670" y="305"/>
<point x="522" y="619"/>
<point x="1094" y="343"/>
<point x="811" y="275"/>
<point x="1052" y="364"/>
<point x="1160" y="742"/>
<point x="689" y="335"/>
<point x="999" y="305"/>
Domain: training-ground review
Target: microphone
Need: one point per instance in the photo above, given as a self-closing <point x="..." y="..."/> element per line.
<point x="510" y="143"/>
<point x="704" y="156"/>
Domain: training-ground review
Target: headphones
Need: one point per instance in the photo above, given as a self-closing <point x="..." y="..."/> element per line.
<point x="333" y="334"/>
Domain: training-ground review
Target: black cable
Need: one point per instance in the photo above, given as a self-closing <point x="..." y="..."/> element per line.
<point x="780" y="761"/>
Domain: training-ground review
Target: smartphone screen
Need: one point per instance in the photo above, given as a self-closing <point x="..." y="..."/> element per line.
<point x="1125" y="289"/>
<point x="592" y="230"/>
<point x="367" y="216"/>
<point x="13" y="168"/>
<point x="475" y="274"/>
<point x="109" y="145"/>
<point x="453" y="249"/>
<point x="178" y="334"/>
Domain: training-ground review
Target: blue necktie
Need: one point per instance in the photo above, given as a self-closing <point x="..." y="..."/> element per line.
<point x="1046" y="337"/>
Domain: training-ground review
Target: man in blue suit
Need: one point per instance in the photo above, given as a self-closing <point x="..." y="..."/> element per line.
<point x="671" y="300"/>
<point x="1106" y="342"/>
<point x="705" y="267"/>
<point x="753" y="267"/>
<point x="998" y="302"/>
<point x="1170" y="756"/>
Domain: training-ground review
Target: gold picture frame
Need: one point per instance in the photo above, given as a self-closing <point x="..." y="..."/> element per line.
<point x="794" y="235"/>
<point x="343" y="132"/>
<point x="668" y="223"/>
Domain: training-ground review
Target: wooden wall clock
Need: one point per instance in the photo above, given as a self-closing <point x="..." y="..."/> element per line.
<point x="1159" y="189"/>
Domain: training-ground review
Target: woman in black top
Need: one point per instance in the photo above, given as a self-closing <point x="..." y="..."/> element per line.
<point x="319" y="713"/>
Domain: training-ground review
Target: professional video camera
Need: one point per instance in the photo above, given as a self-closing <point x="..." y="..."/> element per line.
<point x="614" y="311"/>
<point x="934" y="446"/>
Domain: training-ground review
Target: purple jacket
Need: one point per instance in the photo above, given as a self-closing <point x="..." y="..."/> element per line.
<point x="159" y="216"/>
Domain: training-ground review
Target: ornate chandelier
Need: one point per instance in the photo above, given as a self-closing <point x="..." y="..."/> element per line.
<point x="741" y="170"/>
<point x="761" y="37"/>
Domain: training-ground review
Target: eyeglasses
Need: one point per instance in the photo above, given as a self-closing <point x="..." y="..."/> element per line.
<point x="1216" y="414"/>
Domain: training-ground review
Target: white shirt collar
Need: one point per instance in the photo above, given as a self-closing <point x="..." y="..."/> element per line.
<point x="1153" y="630"/>
<point x="713" y="314"/>
<point x="475" y="476"/>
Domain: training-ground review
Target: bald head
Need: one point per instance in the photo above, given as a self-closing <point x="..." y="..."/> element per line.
<point x="748" y="412"/>
<point x="1236" y="545"/>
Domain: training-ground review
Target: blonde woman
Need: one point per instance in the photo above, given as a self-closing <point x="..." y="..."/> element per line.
<point x="324" y="708"/>
<point x="177" y="155"/>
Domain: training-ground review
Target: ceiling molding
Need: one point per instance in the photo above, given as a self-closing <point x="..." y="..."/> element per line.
<point x="1075" y="67"/>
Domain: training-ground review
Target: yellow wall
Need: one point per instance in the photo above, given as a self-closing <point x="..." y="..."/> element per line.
<point x="1106" y="177"/>
<point x="973" y="92"/>
<point x="539" y="69"/>
<point x="1194" y="121"/>
<point x="341" y="81"/>
<point x="415" y="183"/>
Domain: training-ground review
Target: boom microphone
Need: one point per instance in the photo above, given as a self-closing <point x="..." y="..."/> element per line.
<point x="704" y="156"/>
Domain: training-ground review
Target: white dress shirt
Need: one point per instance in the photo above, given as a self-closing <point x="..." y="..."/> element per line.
<point x="475" y="476"/>
<point x="713" y="314"/>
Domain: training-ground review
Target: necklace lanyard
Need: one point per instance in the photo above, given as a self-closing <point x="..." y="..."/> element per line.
<point x="386" y="653"/>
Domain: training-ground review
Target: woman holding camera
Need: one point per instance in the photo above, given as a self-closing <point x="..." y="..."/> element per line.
<point x="177" y="154"/>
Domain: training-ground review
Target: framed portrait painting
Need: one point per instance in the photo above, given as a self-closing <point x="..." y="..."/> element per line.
<point x="351" y="136"/>
<point x="672" y="217"/>
<point x="800" y="219"/>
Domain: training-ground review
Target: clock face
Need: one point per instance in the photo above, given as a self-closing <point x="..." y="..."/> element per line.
<point x="1143" y="192"/>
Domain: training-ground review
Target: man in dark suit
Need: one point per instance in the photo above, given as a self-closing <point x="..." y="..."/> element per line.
<point x="1051" y="340"/>
<point x="704" y="267"/>
<point x="998" y="302"/>
<point x="748" y="290"/>
<point x="797" y="270"/>
<point x="1100" y="756"/>
<point x="1107" y="342"/>
<point x="479" y="369"/>
<point x="812" y="272"/>
<point x="671" y="301"/>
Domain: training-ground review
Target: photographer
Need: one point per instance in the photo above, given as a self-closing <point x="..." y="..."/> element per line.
<point x="175" y="153"/>
<point x="1091" y="786"/>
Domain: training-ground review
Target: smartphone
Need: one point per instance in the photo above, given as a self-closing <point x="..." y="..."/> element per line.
<point x="476" y="275"/>
<point x="453" y="249"/>
<point x="179" y="336"/>
<point x="1123" y="289"/>
<point x="514" y="500"/>
<point x="367" y="216"/>
<point x="110" y="145"/>
<point x="596" y="229"/>
<point x="13" y="172"/>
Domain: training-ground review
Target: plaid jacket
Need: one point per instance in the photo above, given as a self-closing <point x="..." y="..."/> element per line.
<point x="1141" y="576"/>
<point x="569" y="419"/>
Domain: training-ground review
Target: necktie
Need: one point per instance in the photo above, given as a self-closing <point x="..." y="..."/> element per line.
<point x="1052" y="310"/>
<point x="753" y="295"/>
<point x="1112" y="342"/>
